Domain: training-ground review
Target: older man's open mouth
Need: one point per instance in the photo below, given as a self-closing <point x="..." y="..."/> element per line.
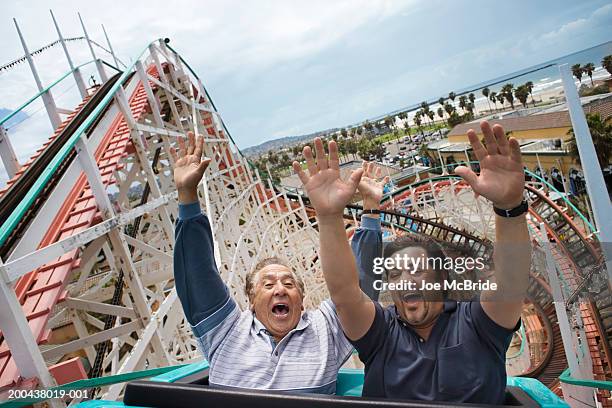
<point x="280" y="310"/>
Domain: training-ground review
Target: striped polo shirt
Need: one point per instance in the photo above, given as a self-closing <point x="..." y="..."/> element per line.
<point x="240" y="351"/>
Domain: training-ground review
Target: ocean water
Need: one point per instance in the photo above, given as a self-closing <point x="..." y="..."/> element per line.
<point x="545" y="76"/>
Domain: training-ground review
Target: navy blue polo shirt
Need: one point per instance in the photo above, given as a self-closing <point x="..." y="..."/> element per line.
<point x="462" y="361"/>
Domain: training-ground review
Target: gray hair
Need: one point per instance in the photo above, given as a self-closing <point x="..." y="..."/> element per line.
<point x="250" y="281"/>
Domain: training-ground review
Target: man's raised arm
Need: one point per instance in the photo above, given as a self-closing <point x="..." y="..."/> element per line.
<point x="502" y="181"/>
<point x="204" y="296"/>
<point x="329" y="194"/>
<point x="367" y="241"/>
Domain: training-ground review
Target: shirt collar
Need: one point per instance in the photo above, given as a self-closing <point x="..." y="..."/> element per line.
<point x="259" y="327"/>
<point x="449" y="307"/>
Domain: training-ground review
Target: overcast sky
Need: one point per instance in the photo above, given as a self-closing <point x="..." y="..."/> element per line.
<point x="280" y="68"/>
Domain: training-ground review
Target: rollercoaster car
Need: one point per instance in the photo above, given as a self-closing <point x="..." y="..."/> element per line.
<point x="187" y="386"/>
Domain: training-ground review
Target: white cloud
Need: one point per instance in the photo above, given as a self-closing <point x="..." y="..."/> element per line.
<point x="601" y="16"/>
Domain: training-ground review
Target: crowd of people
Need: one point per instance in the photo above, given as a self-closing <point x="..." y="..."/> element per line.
<point x="424" y="346"/>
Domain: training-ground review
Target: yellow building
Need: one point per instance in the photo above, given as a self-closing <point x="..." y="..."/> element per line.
<point x="543" y="138"/>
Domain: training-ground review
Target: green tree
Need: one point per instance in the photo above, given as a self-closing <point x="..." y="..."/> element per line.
<point x="389" y="122"/>
<point x="486" y="92"/>
<point x="529" y="86"/>
<point x="451" y="96"/>
<point x="522" y="93"/>
<point x="577" y="71"/>
<point x="472" y="98"/>
<point x="407" y="128"/>
<point x="493" y="98"/>
<point x="500" y="98"/>
<point x="449" y="108"/>
<point x="441" y="101"/>
<point x="417" y="121"/>
<point x="463" y="102"/>
<point x="588" y="69"/>
<point x="601" y="134"/>
<point x="441" y="113"/>
<point x="351" y="147"/>
<point x="507" y="91"/>
<point x="344" y="132"/>
<point x="606" y="62"/>
<point x="431" y="115"/>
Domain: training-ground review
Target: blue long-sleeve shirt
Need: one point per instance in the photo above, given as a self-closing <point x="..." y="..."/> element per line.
<point x="239" y="350"/>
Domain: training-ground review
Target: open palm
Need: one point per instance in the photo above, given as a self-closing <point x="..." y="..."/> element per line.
<point x="501" y="178"/>
<point x="189" y="166"/>
<point x="371" y="187"/>
<point x="327" y="192"/>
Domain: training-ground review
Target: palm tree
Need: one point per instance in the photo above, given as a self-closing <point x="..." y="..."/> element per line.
<point x="407" y="128"/>
<point x="441" y="113"/>
<point x="472" y="98"/>
<point x="343" y="132"/>
<point x="500" y="98"/>
<point x="529" y="86"/>
<point x="389" y="122"/>
<point x="507" y="91"/>
<point x="431" y="115"/>
<point x="601" y="134"/>
<point x="577" y="71"/>
<point x="441" y="101"/>
<point x="448" y="108"/>
<point x="462" y="102"/>
<point x="493" y="98"/>
<point x="451" y="96"/>
<point x="606" y="62"/>
<point x="588" y="69"/>
<point x="417" y="121"/>
<point x="522" y="93"/>
<point x="486" y="92"/>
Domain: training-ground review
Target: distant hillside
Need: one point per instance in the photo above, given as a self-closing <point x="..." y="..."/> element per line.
<point x="286" y="141"/>
<point x="15" y="119"/>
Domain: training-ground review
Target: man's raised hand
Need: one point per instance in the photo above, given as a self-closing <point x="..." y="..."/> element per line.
<point x="370" y="188"/>
<point x="501" y="178"/>
<point x="189" y="167"/>
<point x="328" y="193"/>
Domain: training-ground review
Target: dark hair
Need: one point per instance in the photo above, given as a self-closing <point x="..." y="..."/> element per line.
<point x="249" y="280"/>
<point x="433" y="249"/>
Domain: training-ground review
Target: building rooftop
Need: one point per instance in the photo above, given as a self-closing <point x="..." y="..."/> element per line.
<point x="530" y="125"/>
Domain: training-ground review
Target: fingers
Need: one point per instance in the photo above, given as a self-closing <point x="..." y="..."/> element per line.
<point x="385" y="180"/>
<point x="355" y="178"/>
<point x="203" y="165"/>
<point x="182" y="148"/>
<point x="479" y="151"/>
<point x="310" y="163"/>
<point x="191" y="144"/>
<point x="199" y="147"/>
<point x="501" y="139"/>
<point x="378" y="172"/>
<point x="489" y="137"/>
<point x="515" y="150"/>
<point x="300" y="172"/>
<point x="334" y="161"/>
<point x="468" y="175"/>
<point x="368" y="172"/>
<point x="173" y="154"/>
<point x="321" y="156"/>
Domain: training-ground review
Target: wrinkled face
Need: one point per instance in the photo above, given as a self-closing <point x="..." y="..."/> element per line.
<point x="277" y="300"/>
<point x="417" y="308"/>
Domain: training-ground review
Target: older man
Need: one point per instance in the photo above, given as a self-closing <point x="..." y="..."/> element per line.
<point x="274" y="345"/>
<point x="426" y="347"/>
